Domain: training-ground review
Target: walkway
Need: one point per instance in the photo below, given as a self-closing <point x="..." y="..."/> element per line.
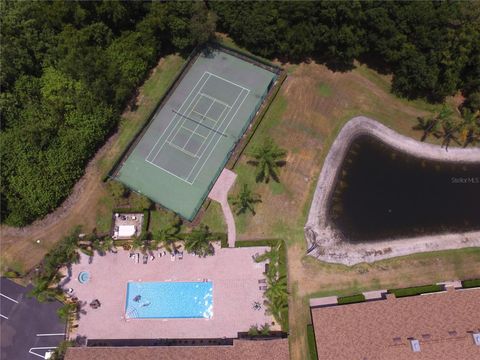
<point x="219" y="193"/>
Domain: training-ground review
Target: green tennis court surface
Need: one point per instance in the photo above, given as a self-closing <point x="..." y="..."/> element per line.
<point x="189" y="140"/>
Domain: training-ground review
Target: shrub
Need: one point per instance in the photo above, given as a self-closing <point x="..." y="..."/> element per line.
<point x="471" y="283"/>
<point x="312" y="345"/>
<point x="351" y="299"/>
<point x="417" y="290"/>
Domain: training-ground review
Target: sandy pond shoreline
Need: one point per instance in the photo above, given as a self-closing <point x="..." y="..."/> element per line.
<point x="322" y="240"/>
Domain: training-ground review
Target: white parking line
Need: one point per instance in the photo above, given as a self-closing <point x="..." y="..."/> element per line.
<point x="9" y="298"/>
<point x="41" y="348"/>
<point x="3" y="316"/>
<point x="56" y="334"/>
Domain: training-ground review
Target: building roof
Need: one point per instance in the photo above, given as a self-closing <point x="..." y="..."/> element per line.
<point x="241" y="350"/>
<point x="442" y="323"/>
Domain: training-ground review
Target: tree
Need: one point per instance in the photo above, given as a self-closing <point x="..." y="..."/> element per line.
<point x="267" y="157"/>
<point x="167" y="234"/>
<point x="448" y="133"/>
<point x="245" y="200"/>
<point x="67" y="311"/>
<point x="202" y="24"/>
<point x="427" y="126"/>
<point x="43" y="291"/>
<point x="472" y="102"/>
<point x="198" y="241"/>
<point x="431" y="125"/>
<point x="117" y="189"/>
<point x="469" y="128"/>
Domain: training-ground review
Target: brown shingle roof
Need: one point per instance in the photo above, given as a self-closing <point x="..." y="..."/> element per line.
<point x="380" y="330"/>
<point x="241" y="350"/>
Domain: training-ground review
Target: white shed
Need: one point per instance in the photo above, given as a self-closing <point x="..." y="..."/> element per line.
<point x="125" y="231"/>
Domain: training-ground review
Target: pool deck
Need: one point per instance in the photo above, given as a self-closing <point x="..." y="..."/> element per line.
<point x="235" y="288"/>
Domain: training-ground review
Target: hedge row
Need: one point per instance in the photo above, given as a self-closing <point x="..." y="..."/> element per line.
<point x="351" y="299"/>
<point x="471" y="283"/>
<point x="312" y="345"/>
<point x="417" y="290"/>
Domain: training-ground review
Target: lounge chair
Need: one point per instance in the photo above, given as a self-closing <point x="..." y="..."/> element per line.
<point x="180" y="256"/>
<point x="262" y="281"/>
<point x="172" y="257"/>
<point x="145" y="258"/>
<point x="262" y="288"/>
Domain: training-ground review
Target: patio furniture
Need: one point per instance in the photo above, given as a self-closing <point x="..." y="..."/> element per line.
<point x="172" y="257"/>
<point x="262" y="281"/>
<point x="180" y="256"/>
<point x="262" y="288"/>
<point x="95" y="304"/>
<point x="145" y="258"/>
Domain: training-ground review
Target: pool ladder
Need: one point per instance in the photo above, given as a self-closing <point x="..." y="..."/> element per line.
<point x="132" y="313"/>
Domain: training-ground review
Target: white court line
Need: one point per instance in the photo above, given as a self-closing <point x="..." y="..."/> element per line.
<point x="175" y="125"/>
<point x="41" y="348"/>
<point x="199" y="171"/>
<point x="195" y="130"/>
<point x="161" y="168"/>
<point x="185" y="151"/>
<point x="209" y="118"/>
<point x="218" y="139"/>
<point x="201" y="146"/>
<point x="211" y="139"/>
<point x="215" y="99"/>
<point x="56" y="334"/>
<point x="231" y="82"/>
<point x="183" y="121"/>
<point x="9" y="298"/>
<point x="164" y="131"/>
<point x="3" y="316"/>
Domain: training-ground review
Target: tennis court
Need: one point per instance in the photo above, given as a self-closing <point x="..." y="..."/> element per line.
<point x="189" y="140"/>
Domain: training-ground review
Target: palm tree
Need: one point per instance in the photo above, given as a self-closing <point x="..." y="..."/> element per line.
<point x="245" y="200"/>
<point x="267" y="157"/>
<point x="67" y="311"/>
<point x="42" y="290"/>
<point x="470" y="128"/>
<point x="430" y="125"/>
<point x="427" y="125"/>
<point x="167" y="235"/>
<point x="448" y="133"/>
<point x="198" y="241"/>
<point x="277" y="289"/>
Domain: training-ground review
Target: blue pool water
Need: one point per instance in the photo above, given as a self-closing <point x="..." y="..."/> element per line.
<point x="149" y="300"/>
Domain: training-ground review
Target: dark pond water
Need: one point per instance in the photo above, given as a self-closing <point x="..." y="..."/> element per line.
<point x="381" y="193"/>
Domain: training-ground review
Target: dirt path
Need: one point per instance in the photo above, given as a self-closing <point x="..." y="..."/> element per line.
<point x="78" y="209"/>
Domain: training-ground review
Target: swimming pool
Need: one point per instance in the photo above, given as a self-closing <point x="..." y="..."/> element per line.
<point x="163" y="300"/>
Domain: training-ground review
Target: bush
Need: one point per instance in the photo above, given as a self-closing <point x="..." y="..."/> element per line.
<point x="352" y="299"/>
<point x="471" y="283"/>
<point x="417" y="290"/>
<point x="312" y="345"/>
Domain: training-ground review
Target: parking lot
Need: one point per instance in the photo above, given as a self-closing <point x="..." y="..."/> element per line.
<point x="29" y="329"/>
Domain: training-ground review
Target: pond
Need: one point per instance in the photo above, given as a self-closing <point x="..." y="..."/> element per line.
<point x="381" y="193"/>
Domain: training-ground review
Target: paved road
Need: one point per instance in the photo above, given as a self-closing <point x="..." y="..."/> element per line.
<point x="28" y="328"/>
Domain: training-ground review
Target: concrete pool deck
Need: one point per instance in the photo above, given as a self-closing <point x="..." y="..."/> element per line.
<point x="233" y="272"/>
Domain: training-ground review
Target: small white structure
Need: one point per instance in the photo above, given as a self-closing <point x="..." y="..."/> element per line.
<point x="124" y="231"/>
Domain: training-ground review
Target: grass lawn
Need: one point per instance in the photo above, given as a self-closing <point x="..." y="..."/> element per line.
<point x="305" y="117"/>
